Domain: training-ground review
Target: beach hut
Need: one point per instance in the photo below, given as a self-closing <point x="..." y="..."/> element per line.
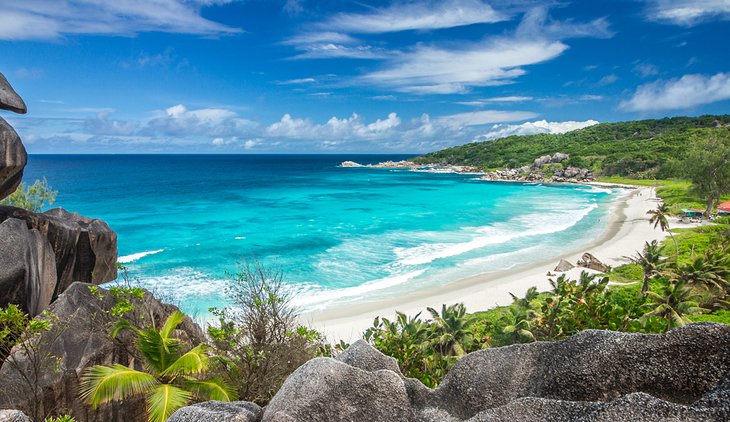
<point x="724" y="208"/>
<point x="691" y="215"/>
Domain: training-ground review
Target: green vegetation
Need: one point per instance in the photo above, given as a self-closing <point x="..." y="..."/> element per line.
<point x="707" y="165"/>
<point x="172" y="379"/>
<point x="646" y="149"/>
<point x="32" y="198"/>
<point x="667" y="285"/>
<point x="260" y="341"/>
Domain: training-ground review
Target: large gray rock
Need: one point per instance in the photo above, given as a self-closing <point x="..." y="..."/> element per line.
<point x="85" y="248"/>
<point x="364" y="356"/>
<point x="680" y="367"/>
<point x="559" y="157"/>
<point x="80" y="338"/>
<point x="563" y="266"/>
<point x="212" y="411"/>
<point x="589" y="261"/>
<point x="324" y="389"/>
<point x="27" y="267"/>
<point x="9" y="99"/>
<point x="539" y="162"/>
<point x="10" y="415"/>
<point x="12" y="159"/>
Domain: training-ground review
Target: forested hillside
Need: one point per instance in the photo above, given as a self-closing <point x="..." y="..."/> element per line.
<point x="640" y="149"/>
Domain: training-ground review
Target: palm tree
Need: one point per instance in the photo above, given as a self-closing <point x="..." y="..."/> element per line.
<point x="650" y="262"/>
<point x="676" y="301"/>
<point x="169" y="382"/>
<point x="519" y="325"/>
<point x="524" y="302"/>
<point x="659" y="219"/>
<point x="452" y="331"/>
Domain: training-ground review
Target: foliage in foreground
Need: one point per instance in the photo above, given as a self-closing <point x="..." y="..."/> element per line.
<point x="173" y="378"/>
<point x="32" y="198"/>
<point x="258" y="337"/>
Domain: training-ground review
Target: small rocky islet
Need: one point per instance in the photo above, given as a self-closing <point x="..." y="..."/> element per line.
<point x="50" y="261"/>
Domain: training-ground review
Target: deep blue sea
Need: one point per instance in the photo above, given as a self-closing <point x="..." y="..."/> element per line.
<point x="338" y="234"/>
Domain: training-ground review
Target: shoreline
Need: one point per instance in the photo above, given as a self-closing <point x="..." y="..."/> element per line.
<point x="627" y="230"/>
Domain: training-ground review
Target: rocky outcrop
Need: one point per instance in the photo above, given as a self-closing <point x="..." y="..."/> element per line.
<point x="9" y="99"/>
<point x="591" y="262"/>
<point x="563" y="266"/>
<point x="538" y="172"/>
<point x="325" y="389"/>
<point x="219" y="411"/>
<point x="350" y="164"/>
<point x="12" y="159"/>
<point x="85" y="248"/>
<point x="80" y="338"/>
<point x="27" y="267"/>
<point x="592" y="376"/>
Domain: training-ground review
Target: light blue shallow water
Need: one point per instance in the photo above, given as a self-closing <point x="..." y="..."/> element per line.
<point x="339" y="234"/>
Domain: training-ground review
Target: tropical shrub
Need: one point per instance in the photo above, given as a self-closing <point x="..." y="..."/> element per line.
<point x="171" y="378"/>
<point x="32" y="198"/>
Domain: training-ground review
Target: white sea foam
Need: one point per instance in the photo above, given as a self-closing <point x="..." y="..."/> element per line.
<point x="126" y="259"/>
<point x="520" y="227"/>
<point x="311" y="297"/>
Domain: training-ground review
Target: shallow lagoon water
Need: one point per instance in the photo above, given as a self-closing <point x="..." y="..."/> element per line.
<point x="338" y="234"/>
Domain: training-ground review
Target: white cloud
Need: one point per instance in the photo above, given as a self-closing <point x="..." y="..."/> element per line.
<point x="646" y="69"/>
<point x="675" y="94"/>
<point x="51" y="19"/>
<point x="434" y="70"/>
<point x="352" y="127"/>
<point x="477" y="118"/>
<point x="532" y="128"/>
<point x="608" y="79"/>
<point x="507" y="99"/>
<point x="415" y="16"/>
<point x="179" y="121"/>
<point x="339" y="51"/>
<point x="297" y="81"/>
<point x="687" y="12"/>
<point x="537" y="23"/>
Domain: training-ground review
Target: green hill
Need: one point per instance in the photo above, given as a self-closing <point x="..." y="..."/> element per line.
<point x="643" y="149"/>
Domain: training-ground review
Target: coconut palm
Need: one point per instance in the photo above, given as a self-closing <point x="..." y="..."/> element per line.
<point x="170" y="380"/>
<point x="519" y="325"/>
<point x="451" y="328"/>
<point x="659" y="218"/>
<point x="676" y="301"/>
<point x="650" y="262"/>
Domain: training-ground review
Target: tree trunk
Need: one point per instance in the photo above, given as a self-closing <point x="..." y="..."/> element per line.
<point x="710" y="203"/>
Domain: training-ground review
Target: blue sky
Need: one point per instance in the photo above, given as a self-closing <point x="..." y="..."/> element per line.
<point x="291" y="76"/>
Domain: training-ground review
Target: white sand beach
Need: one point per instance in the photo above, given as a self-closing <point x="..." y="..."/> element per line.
<point x="624" y="234"/>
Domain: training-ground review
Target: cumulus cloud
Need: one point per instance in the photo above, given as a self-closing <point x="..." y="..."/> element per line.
<point x="687" y="12"/>
<point x="675" y="94"/>
<point x="532" y="128"/>
<point x="51" y="19"/>
<point x="352" y="127"/>
<point x="415" y="16"/>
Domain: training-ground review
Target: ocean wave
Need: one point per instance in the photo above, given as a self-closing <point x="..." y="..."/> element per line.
<point x="126" y="259"/>
<point x="524" y="226"/>
<point x="309" y="295"/>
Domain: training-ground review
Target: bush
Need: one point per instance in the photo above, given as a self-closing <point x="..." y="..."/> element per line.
<point x="32" y="198"/>
<point x="258" y="339"/>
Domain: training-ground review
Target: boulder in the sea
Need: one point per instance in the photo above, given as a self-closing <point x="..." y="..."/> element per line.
<point x="12" y="159"/>
<point x="10" y="415"/>
<point x="325" y="389"/>
<point x="241" y="411"/>
<point x="80" y="338"/>
<point x="563" y="266"/>
<point x="27" y="267"/>
<point x="9" y="99"/>
<point x="364" y="356"/>
<point x="589" y="261"/>
<point x="85" y="248"/>
<point x="350" y="164"/>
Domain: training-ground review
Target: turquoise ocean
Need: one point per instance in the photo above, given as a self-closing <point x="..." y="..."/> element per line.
<point x="338" y="234"/>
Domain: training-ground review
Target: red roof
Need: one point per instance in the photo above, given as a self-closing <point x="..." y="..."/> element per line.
<point x="725" y="206"/>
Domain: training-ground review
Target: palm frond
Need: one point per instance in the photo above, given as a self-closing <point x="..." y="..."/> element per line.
<point x="175" y="319"/>
<point x="212" y="389"/>
<point x="101" y="384"/>
<point x="164" y="399"/>
<point x="193" y="362"/>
